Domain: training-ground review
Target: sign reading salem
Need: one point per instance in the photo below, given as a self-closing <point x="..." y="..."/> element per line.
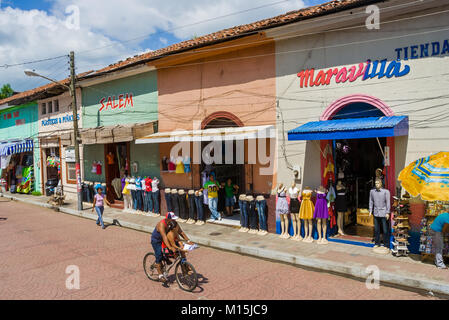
<point x="64" y="119"/>
<point x="123" y="100"/>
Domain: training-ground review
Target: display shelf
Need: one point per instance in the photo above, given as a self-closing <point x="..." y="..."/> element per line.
<point x="433" y="209"/>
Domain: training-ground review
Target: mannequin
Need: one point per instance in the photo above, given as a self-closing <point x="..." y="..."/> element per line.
<point x="179" y="165"/>
<point x="199" y="207"/>
<point x="282" y="210"/>
<point x="243" y="213"/>
<point x="164" y="163"/>
<point x="379" y="206"/>
<point x="306" y="213"/>
<point x="182" y="206"/>
<point x="340" y="205"/>
<point x="261" y="210"/>
<point x="110" y="158"/>
<point x="321" y="213"/>
<point x="293" y="192"/>
<point x="187" y="168"/>
<point x="167" y="193"/>
<point x="175" y="202"/>
<point x="192" y="215"/>
<point x="171" y="165"/>
<point x="252" y="217"/>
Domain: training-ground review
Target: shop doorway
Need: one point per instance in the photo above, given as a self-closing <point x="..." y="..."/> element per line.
<point x="52" y="169"/>
<point x="116" y="166"/>
<point x="223" y="171"/>
<point x="356" y="163"/>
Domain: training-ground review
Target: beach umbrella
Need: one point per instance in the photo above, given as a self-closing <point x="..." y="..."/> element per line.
<point x="428" y="177"/>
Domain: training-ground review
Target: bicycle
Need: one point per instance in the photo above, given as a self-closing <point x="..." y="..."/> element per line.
<point x="185" y="273"/>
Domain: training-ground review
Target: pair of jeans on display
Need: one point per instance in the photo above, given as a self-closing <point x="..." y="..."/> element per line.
<point x="378" y="222"/>
<point x="243" y="204"/>
<point x="140" y="197"/>
<point x="192" y="211"/>
<point x="199" y="207"/>
<point x="213" y="203"/>
<point x="134" y="198"/>
<point x="148" y="201"/>
<point x="155" y="196"/>
<point x="183" y="211"/>
<point x="261" y="206"/>
<point x="252" y="215"/>
<point x="168" y="202"/>
<point x="87" y="193"/>
<point x="175" y="203"/>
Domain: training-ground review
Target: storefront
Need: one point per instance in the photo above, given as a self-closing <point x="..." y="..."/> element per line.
<point x="19" y="148"/>
<point x="116" y="113"/>
<point x="354" y="106"/>
<point x="56" y="144"/>
<point x="217" y="119"/>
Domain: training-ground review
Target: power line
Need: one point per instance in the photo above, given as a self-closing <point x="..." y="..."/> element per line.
<point x="31" y="62"/>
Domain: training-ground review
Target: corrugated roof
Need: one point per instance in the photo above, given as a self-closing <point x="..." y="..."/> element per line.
<point x="348" y="124"/>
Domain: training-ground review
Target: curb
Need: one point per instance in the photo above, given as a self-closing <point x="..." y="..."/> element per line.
<point x="312" y="263"/>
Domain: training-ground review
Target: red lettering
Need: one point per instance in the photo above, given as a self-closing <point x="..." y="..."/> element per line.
<point x="341" y="75"/>
<point x="109" y="103"/>
<point x="120" y="101"/>
<point x="114" y="105"/>
<point x="320" y="78"/>
<point x="129" y="100"/>
<point x="305" y="75"/>
<point x="102" y="104"/>
<point x="329" y="75"/>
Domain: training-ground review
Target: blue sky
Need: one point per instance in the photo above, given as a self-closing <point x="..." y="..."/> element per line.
<point x="32" y="30"/>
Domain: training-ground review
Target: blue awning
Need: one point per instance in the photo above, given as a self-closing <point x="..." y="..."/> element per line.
<point x="352" y="128"/>
<point x="8" y="148"/>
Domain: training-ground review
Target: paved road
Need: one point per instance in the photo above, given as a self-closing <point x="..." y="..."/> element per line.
<point x="37" y="245"/>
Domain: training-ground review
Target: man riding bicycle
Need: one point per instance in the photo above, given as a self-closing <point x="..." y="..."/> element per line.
<point x="159" y="236"/>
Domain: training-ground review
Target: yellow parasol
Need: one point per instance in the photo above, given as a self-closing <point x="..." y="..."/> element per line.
<point x="428" y="176"/>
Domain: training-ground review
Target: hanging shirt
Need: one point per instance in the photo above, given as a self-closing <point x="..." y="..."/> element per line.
<point x="138" y="184"/>
<point x="148" y="185"/>
<point x="98" y="168"/>
<point x="179" y="166"/>
<point x="331" y="195"/>
<point x="154" y="185"/>
<point x="110" y="158"/>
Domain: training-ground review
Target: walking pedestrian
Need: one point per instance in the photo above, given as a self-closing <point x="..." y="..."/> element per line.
<point x="98" y="204"/>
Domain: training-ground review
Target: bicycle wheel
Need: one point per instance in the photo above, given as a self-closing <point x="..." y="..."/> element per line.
<point x="186" y="276"/>
<point x="149" y="262"/>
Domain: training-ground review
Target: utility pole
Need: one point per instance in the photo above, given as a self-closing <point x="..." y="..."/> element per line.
<point x="75" y="130"/>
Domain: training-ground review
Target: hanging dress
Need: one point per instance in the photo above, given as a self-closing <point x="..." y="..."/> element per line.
<point x="321" y="211"/>
<point x="340" y="201"/>
<point x="307" y="208"/>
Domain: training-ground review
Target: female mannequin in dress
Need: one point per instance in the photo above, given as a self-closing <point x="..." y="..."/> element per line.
<point x="340" y="205"/>
<point x="282" y="210"/>
<point x="321" y="214"/>
<point x="293" y="192"/>
<point x="306" y="213"/>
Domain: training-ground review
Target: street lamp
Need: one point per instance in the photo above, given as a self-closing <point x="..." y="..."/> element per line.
<point x="72" y="91"/>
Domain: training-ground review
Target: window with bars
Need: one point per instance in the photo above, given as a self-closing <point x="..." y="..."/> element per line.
<point x="50" y="107"/>
<point x="44" y="108"/>
<point x="71" y="172"/>
<point x="56" y="105"/>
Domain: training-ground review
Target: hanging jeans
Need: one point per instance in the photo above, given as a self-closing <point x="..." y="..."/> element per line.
<point x="252" y="215"/>
<point x="261" y="206"/>
<point x="213" y="202"/>
<point x="175" y="203"/>
<point x="183" y="213"/>
<point x="243" y="213"/>
<point x="192" y="211"/>
<point x="155" y="196"/>
<point x="134" y="197"/>
<point x="168" y="202"/>
<point x="148" y="202"/>
<point x="199" y="207"/>
<point x="378" y="222"/>
<point x="99" y="211"/>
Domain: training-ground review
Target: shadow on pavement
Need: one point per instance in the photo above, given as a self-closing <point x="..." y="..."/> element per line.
<point x="2" y="219"/>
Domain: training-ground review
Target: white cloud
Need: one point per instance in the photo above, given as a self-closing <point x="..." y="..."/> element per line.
<point x="35" y="34"/>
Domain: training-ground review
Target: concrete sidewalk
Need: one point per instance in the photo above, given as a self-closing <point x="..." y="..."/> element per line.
<point x="343" y="259"/>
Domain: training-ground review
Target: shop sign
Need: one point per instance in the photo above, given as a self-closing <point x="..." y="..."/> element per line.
<point x="70" y="155"/>
<point x="368" y="70"/>
<point x="123" y="100"/>
<point x="423" y="50"/>
<point x="64" y="119"/>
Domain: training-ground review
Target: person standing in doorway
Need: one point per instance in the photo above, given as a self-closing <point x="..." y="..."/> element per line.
<point x="230" y="190"/>
<point x="98" y="205"/>
<point x="212" y="193"/>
